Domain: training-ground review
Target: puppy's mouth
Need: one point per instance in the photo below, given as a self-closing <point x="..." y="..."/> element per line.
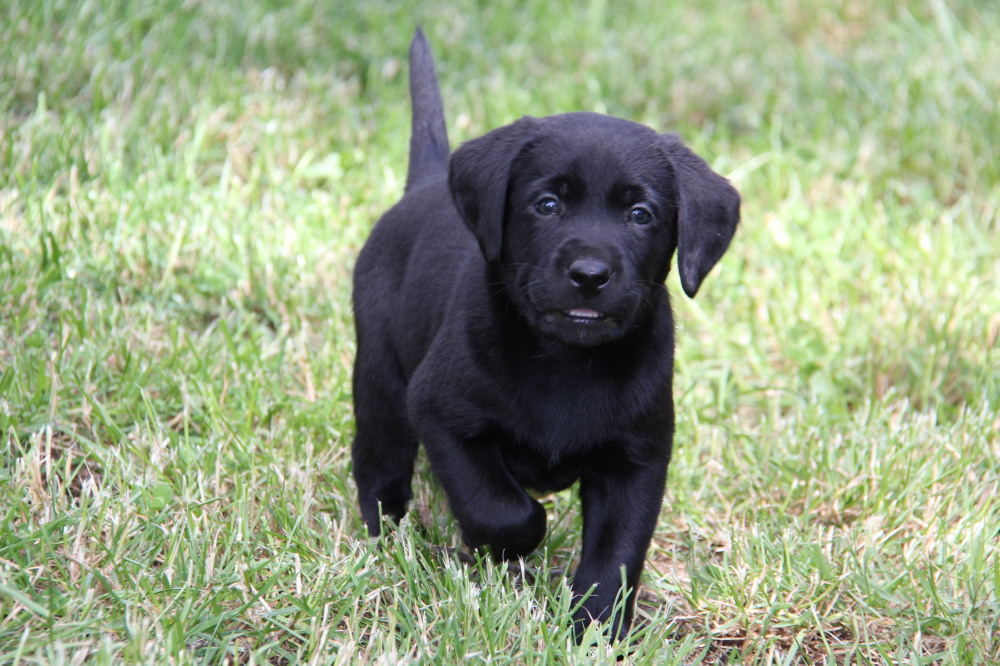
<point x="582" y="326"/>
<point x="584" y="315"/>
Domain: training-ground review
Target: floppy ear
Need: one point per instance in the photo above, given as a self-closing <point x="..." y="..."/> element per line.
<point x="477" y="175"/>
<point x="709" y="210"/>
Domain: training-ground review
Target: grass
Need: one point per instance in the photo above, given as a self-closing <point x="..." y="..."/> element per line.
<point x="184" y="185"/>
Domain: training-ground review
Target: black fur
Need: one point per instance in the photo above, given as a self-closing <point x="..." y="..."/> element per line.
<point x="511" y="316"/>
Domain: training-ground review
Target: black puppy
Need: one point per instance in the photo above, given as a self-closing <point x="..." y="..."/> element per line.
<point x="512" y="316"/>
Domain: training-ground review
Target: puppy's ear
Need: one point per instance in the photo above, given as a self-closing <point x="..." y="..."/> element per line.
<point x="709" y="210"/>
<point x="477" y="175"/>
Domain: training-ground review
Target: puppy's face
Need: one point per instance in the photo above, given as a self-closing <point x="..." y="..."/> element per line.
<point x="581" y="214"/>
<point x="590" y="228"/>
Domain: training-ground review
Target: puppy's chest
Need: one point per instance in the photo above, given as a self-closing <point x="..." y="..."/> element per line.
<point x="538" y="473"/>
<point x="559" y="416"/>
<point x="558" y="437"/>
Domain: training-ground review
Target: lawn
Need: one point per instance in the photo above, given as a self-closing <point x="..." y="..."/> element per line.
<point x="184" y="186"/>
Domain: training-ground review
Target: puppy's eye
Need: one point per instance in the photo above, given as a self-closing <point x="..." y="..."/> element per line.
<point x="640" y="215"/>
<point x="548" y="206"/>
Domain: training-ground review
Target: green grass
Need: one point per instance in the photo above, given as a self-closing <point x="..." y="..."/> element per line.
<point x="184" y="186"/>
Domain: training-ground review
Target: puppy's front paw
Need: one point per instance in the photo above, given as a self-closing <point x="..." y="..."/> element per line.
<point x="507" y="533"/>
<point x="612" y="614"/>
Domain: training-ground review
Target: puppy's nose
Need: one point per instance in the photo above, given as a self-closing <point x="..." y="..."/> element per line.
<point x="589" y="274"/>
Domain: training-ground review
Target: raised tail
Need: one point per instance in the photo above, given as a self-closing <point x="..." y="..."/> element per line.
<point x="429" y="136"/>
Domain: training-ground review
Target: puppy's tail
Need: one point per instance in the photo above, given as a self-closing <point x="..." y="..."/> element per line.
<point x="429" y="136"/>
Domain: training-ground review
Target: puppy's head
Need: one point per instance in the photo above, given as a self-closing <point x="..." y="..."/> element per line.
<point x="581" y="214"/>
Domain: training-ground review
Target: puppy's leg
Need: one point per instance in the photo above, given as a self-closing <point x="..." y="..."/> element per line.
<point x="384" y="447"/>
<point x="620" y="510"/>
<point x="492" y="508"/>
